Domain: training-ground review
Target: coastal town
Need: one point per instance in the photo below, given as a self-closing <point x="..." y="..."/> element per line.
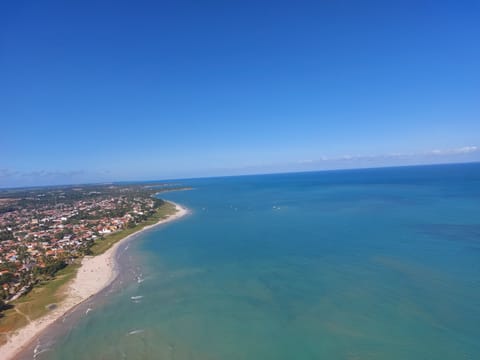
<point x="43" y="230"/>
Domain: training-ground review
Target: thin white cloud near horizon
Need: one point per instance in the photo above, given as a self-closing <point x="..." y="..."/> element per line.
<point x="454" y="151"/>
<point x="462" y="150"/>
<point x="470" y="153"/>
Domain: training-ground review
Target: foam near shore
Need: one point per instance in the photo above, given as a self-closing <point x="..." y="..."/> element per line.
<point x="94" y="274"/>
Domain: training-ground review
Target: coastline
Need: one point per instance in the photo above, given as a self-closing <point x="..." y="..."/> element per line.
<point x="94" y="275"/>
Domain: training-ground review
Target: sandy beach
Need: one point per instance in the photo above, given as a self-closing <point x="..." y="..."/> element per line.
<point x="94" y="274"/>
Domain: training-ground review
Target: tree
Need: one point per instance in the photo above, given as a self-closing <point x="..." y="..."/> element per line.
<point x="6" y="235"/>
<point x="22" y="253"/>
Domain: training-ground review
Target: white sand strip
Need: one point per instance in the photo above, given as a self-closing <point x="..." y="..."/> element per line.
<point x="94" y="274"/>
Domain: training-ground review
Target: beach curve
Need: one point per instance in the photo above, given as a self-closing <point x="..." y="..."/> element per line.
<point x="94" y="275"/>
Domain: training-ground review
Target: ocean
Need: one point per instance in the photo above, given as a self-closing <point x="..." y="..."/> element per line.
<point x="352" y="264"/>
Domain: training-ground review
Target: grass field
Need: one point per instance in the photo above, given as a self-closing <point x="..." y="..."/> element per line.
<point x="35" y="303"/>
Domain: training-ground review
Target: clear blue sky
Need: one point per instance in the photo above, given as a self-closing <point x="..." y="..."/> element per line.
<point x="132" y="90"/>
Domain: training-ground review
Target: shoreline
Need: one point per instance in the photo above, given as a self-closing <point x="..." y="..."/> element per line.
<point x="94" y="275"/>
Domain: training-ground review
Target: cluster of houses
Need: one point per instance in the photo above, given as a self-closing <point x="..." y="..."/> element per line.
<point x="32" y="238"/>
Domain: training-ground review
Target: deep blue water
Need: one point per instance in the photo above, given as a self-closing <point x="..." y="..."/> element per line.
<point x="358" y="264"/>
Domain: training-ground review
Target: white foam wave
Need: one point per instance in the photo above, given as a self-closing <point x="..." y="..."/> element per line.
<point x="133" y="332"/>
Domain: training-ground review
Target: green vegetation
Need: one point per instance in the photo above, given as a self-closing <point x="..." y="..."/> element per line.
<point x="47" y="228"/>
<point x="162" y="212"/>
<point x="35" y="303"/>
<point x="49" y="291"/>
<point x="33" y="198"/>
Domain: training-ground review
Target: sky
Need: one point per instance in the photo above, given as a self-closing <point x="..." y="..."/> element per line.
<point x="94" y="91"/>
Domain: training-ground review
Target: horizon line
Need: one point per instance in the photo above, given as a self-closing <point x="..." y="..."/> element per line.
<point x="113" y="182"/>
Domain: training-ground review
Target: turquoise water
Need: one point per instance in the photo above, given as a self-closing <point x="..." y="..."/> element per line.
<point x="364" y="264"/>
